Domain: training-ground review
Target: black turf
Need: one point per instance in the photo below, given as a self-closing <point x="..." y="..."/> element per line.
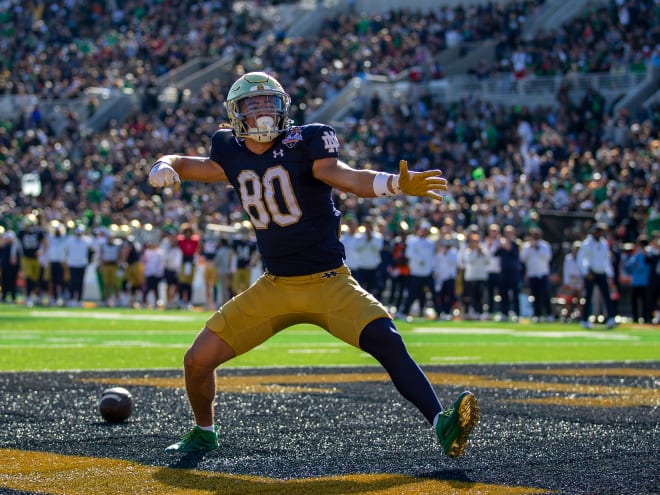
<point x="362" y="428"/>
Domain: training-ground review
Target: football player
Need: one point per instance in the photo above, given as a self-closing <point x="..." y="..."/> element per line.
<point x="245" y="257"/>
<point x="32" y="240"/>
<point x="284" y="176"/>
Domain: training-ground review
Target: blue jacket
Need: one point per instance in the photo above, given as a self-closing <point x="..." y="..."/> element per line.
<point x="638" y="269"/>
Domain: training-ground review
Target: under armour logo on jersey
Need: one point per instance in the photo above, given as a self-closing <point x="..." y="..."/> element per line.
<point x="278" y="153"/>
<point x="330" y="142"/>
<point x="329" y="274"/>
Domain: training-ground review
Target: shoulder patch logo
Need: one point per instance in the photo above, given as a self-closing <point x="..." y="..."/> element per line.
<point x="330" y="142"/>
<point x="293" y="136"/>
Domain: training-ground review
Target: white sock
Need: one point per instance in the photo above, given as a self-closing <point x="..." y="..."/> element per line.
<point x="435" y="420"/>
<point x="208" y="428"/>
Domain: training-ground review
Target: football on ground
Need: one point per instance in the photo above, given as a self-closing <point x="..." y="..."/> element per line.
<point x="116" y="404"/>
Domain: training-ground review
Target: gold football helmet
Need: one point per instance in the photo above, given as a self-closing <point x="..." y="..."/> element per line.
<point x="258" y="107"/>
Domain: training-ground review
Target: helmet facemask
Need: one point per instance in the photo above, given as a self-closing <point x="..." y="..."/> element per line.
<point x="260" y="117"/>
<point x="258" y="108"/>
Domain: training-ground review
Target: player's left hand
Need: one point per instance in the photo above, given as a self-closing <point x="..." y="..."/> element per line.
<point x="427" y="183"/>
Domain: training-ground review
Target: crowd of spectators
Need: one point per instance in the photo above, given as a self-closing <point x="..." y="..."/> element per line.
<point x="505" y="163"/>
<point x="58" y="49"/>
<point x="389" y="44"/>
<point x="613" y="37"/>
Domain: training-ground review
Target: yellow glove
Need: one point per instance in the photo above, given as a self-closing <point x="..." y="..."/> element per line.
<point x="426" y="183"/>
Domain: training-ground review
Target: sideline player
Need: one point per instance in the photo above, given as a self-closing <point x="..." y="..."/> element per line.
<point x="284" y="176"/>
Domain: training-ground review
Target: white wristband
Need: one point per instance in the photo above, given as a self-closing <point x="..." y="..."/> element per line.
<point x="395" y="184"/>
<point x="380" y="184"/>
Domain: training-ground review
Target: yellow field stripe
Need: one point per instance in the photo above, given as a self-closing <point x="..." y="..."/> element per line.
<point x="645" y="372"/>
<point x="259" y="383"/>
<point x="56" y="474"/>
<point x="591" y="401"/>
<point x="597" y="395"/>
<point x="578" y="394"/>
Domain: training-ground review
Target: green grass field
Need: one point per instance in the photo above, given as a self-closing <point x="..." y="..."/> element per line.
<point x="86" y="339"/>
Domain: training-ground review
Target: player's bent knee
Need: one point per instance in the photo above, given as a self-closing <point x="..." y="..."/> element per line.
<point x="193" y="361"/>
<point x="207" y="352"/>
<point x="380" y="338"/>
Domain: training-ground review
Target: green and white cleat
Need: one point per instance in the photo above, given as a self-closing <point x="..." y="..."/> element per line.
<point x="196" y="440"/>
<point x="456" y="423"/>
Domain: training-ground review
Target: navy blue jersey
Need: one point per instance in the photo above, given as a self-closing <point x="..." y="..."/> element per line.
<point x="293" y="215"/>
<point x="31" y="240"/>
<point x="244" y="249"/>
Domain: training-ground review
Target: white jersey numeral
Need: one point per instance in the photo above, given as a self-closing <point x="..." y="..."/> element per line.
<point x="258" y="196"/>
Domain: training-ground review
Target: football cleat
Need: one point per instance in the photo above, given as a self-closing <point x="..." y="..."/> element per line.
<point x="196" y="440"/>
<point x="456" y="423"/>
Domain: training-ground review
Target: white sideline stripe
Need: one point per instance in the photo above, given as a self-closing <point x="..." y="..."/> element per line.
<point x="35" y="334"/>
<point x="76" y="345"/>
<point x="98" y="315"/>
<point x="446" y="359"/>
<point x="312" y="351"/>
<point x="543" y="334"/>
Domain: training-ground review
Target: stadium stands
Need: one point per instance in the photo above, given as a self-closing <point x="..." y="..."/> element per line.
<point x="91" y="96"/>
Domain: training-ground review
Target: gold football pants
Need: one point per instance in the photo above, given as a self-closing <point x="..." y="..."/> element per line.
<point x="333" y="300"/>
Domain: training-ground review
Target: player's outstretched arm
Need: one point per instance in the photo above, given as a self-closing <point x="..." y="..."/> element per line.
<point x="369" y="184"/>
<point x="169" y="170"/>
